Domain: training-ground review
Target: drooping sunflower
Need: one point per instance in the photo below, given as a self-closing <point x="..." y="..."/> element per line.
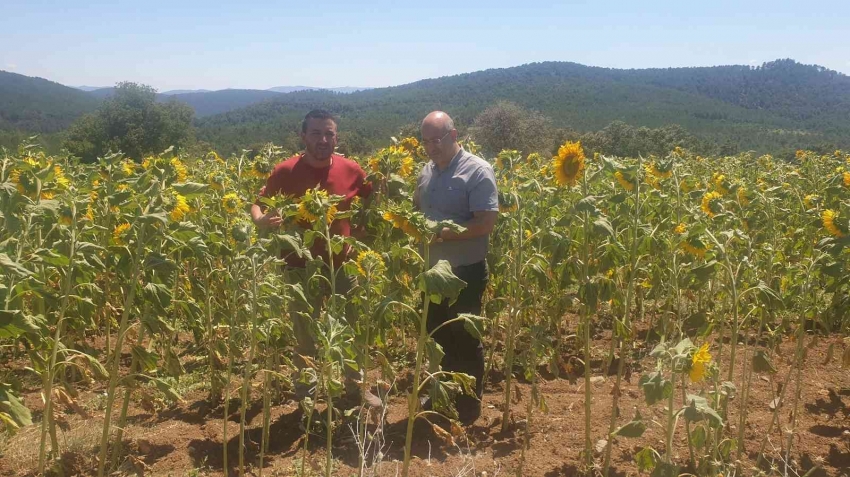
<point x="694" y="246"/>
<point x="400" y="222"/>
<point x="700" y="360"/>
<point x="711" y="203"/>
<point x="810" y="201"/>
<point x="179" y="168"/>
<point x="119" y="232"/>
<point x="62" y="182"/>
<point x="721" y="185"/>
<point x="625" y="184"/>
<point x="231" y="203"/>
<point x="743" y="196"/>
<point x="406" y="167"/>
<point x="569" y="164"/>
<point x="829" y="223"/>
<point x="66" y="215"/>
<point x="661" y="170"/>
<point x="845" y="177"/>
<point x="179" y="208"/>
<point x="369" y="263"/>
<point x="533" y="159"/>
<point x="410" y="144"/>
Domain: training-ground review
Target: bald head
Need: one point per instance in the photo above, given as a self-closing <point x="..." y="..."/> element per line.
<point x="438" y="120"/>
<point x="439" y="137"/>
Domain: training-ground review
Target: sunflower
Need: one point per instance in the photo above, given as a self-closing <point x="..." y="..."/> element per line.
<point x="678" y="151"/>
<point x="400" y="222"/>
<point x="66" y="215"/>
<point x="837" y="153"/>
<point x="661" y="171"/>
<point x="231" y="203"/>
<point x="625" y="184"/>
<point x="409" y="144"/>
<point x="118" y="233"/>
<point x="845" y="177"/>
<point x="811" y="200"/>
<point x="260" y="169"/>
<point x="828" y="216"/>
<point x="59" y="176"/>
<point x="681" y="229"/>
<point x="743" y="198"/>
<point x="528" y="234"/>
<point x="800" y="154"/>
<point x="711" y="203"/>
<point x="698" y="364"/>
<point x="720" y="183"/>
<point x="533" y="158"/>
<point x="694" y="246"/>
<point x="47" y="195"/>
<point x="179" y="169"/>
<point x="375" y="164"/>
<point x="569" y="164"/>
<point x="148" y="162"/>
<point x="180" y="209"/>
<point x="406" y="167"/>
<point x="311" y="204"/>
<point x="370" y="263"/>
<point x="128" y="167"/>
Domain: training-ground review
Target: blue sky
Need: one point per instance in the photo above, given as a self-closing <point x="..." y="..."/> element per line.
<point x="261" y="44"/>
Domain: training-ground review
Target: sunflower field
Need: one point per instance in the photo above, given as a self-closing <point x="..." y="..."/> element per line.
<point x="651" y="315"/>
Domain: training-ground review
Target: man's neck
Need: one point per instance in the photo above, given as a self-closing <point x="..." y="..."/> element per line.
<point x="317" y="163"/>
<point x="443" y="163"/>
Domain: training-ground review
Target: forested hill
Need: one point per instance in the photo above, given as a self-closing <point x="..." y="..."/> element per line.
<point x="36" y="105"/>
<point x="782" y="104"/>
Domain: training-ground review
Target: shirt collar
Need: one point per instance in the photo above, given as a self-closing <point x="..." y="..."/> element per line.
<point x="452" y="163"/>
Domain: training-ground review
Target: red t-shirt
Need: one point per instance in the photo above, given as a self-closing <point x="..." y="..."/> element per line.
<point x="343" y="177"/>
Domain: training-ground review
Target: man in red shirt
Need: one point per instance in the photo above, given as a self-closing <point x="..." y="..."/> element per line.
<point x="318" y="167"/>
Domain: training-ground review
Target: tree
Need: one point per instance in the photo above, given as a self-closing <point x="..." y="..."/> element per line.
<point x="506" y="125"/>
<point x="132" y="122"/>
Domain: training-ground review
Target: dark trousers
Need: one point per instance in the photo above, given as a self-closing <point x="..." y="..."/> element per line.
<point x="463" y="352"/>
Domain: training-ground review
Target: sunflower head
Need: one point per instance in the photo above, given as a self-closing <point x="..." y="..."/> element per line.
<point x="66" y="215"/>
<point x="231" y="203"/>
<point x="681" y="229"/>
<point x="711" y="205"/>
<point x="699" y="363"/>
<point x="845" y="178"/>
<point x="533" y="159"/>
<point x="316" y="204"/>
<point x="830" y="221"/>
<point x="128" y="167"/>
<point x="661" y="169"/>
<point x="370" y="264"/>
<point x="811" y="201"/>
<point x="179" y="207"/>
<point x="181" y="173"/>
<point x="626" y="184"/>
<point x="743" y="196"/>
<point x="694" y="246"/>
<point x="721" y="184"/>
<point x="119" y="233"/>
<point x="569" y="164"/>
<point x="409" y="144"/>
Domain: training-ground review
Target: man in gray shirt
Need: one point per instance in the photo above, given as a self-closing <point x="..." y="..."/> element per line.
<point x="460" y="187"/>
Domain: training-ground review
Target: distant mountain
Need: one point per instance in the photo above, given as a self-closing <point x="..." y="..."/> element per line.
<point x="216" y="102"/>
<point x="88" y="88"/>
<point x="782" y="104"/>
<point x="37" y="105"/>
<point x="184" y="91"/>
<point x="343" y="89"/>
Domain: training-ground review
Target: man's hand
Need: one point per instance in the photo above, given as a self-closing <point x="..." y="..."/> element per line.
<point x="269" y="221"/>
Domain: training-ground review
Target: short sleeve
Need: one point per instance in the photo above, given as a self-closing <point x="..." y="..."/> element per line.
<point x="483" y="195"/>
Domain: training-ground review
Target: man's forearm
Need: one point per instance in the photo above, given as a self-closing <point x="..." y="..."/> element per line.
<point x="477" y="227"/>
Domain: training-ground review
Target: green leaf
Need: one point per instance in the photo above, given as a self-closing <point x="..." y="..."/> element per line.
<point x="698" y="409"/>
<point x="146" y="359"/>
<point x="655" y="387"/>
<point x="435" y="353"/>
<point x="663" y="469"/>
<point x="602" y="226"/>
<point x="289" y="243"/>
<point x="646" y="459"/>
<point x="699" y="436"/>
<point x="13" y="324"/>
<point x="440" y="282"/>
<point x="166" y="389"/>
<point x="635" y="428"/>
<point x="762" y="363"/>
<point x="10" y="405"/>
<point x="473" y="324"/>
<point x="190" y="189"/>
<point x="13" y="267"/>
<point x="158" y="294"/>
<point x="154" y="218"/>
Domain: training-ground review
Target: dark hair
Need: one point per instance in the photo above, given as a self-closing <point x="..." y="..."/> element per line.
<point x="316" y="114"/>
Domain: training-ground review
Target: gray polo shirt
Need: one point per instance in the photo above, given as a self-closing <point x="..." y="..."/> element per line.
<point x="467" y="185"/>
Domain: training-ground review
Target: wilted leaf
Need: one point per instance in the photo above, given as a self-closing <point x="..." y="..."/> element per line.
<point x="13" y="407"/>
<point x="635" y="428"/>
<point x="762" y="363"/>
<point x="440" y="282"/>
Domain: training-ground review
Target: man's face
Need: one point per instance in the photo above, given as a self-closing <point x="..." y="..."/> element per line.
<point x="438" y="142"/>
<point x="320" y="138"/>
